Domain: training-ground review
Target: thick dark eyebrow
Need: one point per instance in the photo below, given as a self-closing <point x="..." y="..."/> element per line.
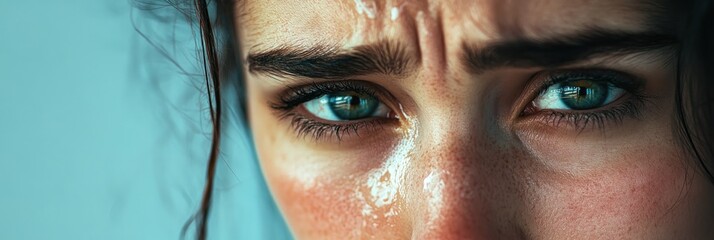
<point x="391" y="58"/>
<point x="323" y="62"/>
<point x="563" y="50"/>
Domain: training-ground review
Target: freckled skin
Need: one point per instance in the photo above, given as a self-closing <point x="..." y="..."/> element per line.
<point x="461" y="166"/>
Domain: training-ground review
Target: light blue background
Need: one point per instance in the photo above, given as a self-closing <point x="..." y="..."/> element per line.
<point x="105" y="136"/>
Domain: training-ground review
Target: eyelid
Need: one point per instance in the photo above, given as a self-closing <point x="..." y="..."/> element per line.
<point x="619" y="79"/>
<point x="320" y="108"/>
<point x="307" y="126"/>
<point x="540" y="81"/>
<point x="630" y="107"/>
<point x="290" y="106"/>
<point x="629" y="104"/>
<point x="296" y="95"/>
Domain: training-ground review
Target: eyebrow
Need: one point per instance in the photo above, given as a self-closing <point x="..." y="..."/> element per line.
<point x="563" y="50"/>
<point x="324" y="62"/>
<point x="391" y="58"/>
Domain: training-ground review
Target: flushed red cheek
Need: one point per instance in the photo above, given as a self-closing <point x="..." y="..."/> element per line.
<point x="318" y="209"/>
<point x="330" y="209"/>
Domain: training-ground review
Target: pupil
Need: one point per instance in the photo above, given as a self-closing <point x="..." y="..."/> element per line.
<point x="354" y="100"/>
<point x="583" y="94"/>
<point x="352" y="105"/>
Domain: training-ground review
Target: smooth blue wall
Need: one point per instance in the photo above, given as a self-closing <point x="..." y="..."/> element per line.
<point x="104" y="135"/>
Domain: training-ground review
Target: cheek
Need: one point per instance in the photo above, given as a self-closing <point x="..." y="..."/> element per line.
<point x="324" y="194"/>
<point x="324" y="210"/>
<point x="323" y="188"/>
<point x="631" y="198"/>
<point x="325" y="205"/>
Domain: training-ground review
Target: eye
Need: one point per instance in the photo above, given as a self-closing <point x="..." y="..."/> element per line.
<point x="337" y="109"/>
<point x="585" y="99"/>
<point x="578" y="95"/>
<point x="346" y="106"/>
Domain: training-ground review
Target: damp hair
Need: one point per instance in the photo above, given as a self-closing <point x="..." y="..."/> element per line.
<point x="694" y="101"/>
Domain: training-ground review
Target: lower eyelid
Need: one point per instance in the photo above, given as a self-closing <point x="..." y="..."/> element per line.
<point x="307" y="126"/>
<point x="625" y="107"/>
<point x="293" y="109"/>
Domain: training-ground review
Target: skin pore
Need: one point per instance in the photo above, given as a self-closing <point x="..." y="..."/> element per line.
<point x="464" y="143"/>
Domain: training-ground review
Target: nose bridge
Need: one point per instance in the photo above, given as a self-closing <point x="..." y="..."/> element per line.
<point x="449" y="141"/>
<point x="448" y="195"/>
<point x="451" y="132"/>
<point x="460" y="178"/>
<point x="453" y="172"/>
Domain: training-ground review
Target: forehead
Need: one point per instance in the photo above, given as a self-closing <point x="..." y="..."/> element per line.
<point x="350" y="22"/>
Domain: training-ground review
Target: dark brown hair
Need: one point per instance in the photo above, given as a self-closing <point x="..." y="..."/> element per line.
<point x="215" y="72"/>
<point x="213" y="88"/>
<point x="695" y="83"/>
<point x="694" y="93"/>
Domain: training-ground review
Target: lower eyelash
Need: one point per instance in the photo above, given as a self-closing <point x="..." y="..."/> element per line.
<point x="580" y="121"/>
<point x="289" y="107"/>
<point x="305" y="126"/>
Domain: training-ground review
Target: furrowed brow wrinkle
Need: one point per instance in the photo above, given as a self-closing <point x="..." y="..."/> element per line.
<point x="562" y="50"/>
<point x="322" y="62"/>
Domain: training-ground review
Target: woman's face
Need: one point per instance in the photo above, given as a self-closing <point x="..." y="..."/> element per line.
<point x="470" y="119"/>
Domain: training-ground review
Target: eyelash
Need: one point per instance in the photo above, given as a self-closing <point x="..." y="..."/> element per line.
<point x="615" y="112"/>
<point x="305" y="125"/>
<point x="597" y="119"/>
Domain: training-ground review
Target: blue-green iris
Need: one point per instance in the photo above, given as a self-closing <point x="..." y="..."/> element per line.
<point x="352" y="105"/>
<point x="583" y="94"/>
